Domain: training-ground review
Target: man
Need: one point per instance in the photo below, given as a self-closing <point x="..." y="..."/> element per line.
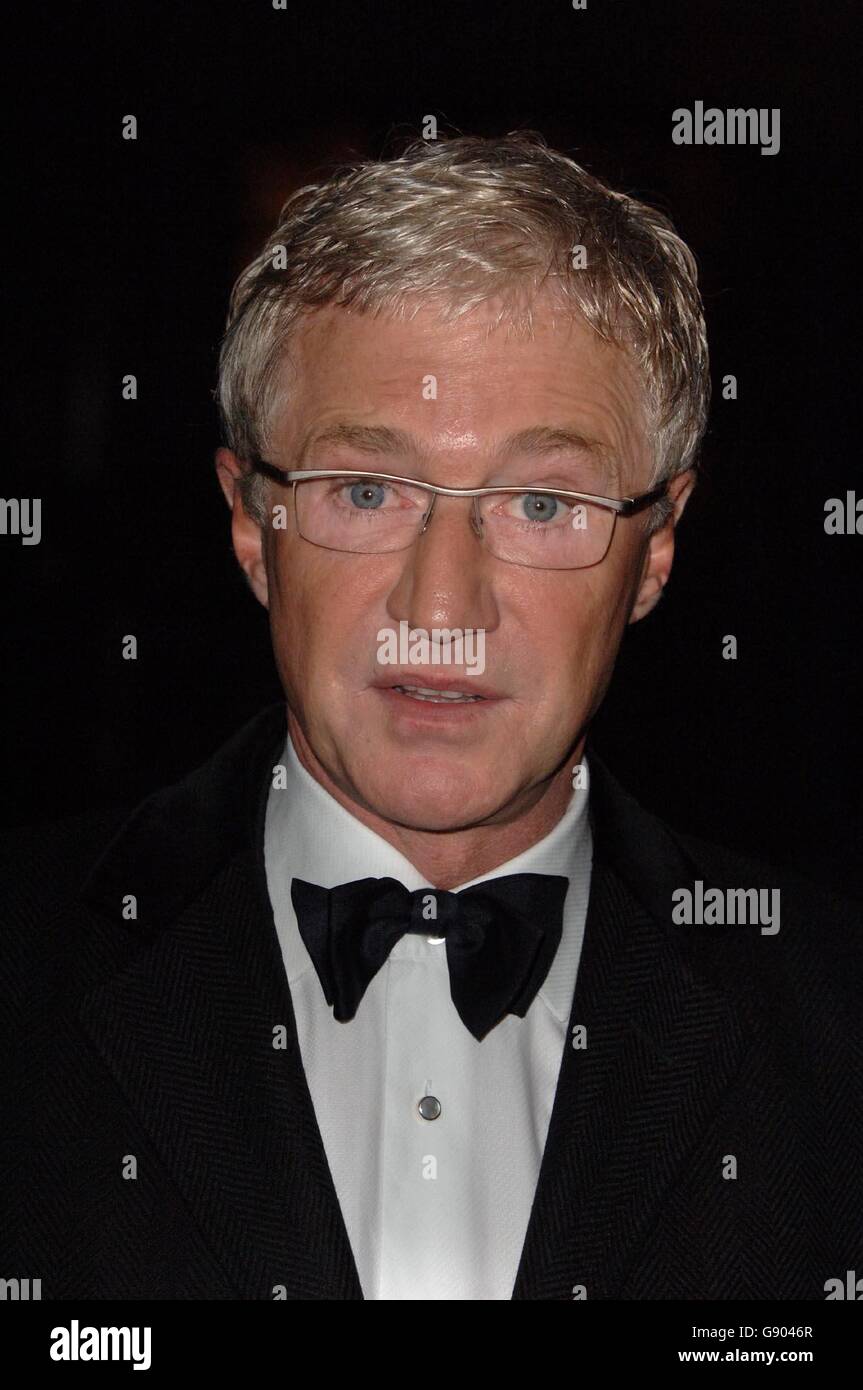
<point x="401" y="996"/>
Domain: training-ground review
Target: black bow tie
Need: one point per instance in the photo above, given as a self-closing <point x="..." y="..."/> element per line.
<point x="501" y="937"/>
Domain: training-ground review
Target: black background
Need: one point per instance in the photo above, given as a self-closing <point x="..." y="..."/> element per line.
<point x="122" y="258"/>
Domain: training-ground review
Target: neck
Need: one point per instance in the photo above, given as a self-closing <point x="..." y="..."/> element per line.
<point x="447" y="858"/>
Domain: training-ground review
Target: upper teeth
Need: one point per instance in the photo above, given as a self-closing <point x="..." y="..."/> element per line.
<point x="425" y="693"/>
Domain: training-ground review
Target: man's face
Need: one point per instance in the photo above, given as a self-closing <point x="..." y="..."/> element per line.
<point x="551" y="636"/>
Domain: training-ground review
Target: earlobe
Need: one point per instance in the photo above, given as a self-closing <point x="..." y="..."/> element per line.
<point x="656" y="567"/>
<point x="660" y="550"/>
<point x="228" y="470"/>
<point x="649" y="592"/>
<point x="246" y="534"/>
<point x="248" y="539"/>
<point x="680" y="491"/>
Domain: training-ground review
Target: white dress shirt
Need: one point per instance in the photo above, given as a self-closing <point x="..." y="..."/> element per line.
<point x="434" y="1209"/>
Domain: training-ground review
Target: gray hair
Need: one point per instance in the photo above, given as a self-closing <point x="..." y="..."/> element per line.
<point x="466" y="220"/>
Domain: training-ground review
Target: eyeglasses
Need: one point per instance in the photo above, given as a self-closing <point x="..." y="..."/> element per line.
<point x="376" y="513"/>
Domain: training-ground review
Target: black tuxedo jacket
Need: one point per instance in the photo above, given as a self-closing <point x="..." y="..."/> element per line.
<point x="146" y="1046"/>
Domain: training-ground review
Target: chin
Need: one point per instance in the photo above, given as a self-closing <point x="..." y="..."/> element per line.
<point x="448" y="800"/>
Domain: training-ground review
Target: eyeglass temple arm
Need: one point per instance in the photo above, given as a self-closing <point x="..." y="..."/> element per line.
<point x="631" y="505"/>
<point x="269" y="470"/>
<point x="626" y="506"/>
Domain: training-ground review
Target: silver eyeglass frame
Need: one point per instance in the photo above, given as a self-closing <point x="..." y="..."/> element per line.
<point x="619" y="506"/>
<point x="623" y="506"/>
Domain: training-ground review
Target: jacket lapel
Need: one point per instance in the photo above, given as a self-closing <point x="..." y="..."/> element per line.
<point x="191" y="999"/>
<point x="663" y="1041"/>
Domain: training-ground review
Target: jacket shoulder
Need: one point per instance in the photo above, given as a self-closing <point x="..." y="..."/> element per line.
<point x="792" y="947"/>
<point x="54" y="877"/>
<point x="807" y="900"/>
<point x="806" y="966"/>
<point x="42" y="865"/>
<point x="42" y="869"/>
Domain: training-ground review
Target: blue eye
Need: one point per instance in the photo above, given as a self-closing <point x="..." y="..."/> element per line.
<point x="538" y="506"/>
<point x="367" y="496"/>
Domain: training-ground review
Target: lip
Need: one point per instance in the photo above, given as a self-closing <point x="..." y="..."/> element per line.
<point x="415" y="716"/>
<point x="466" y="685"/>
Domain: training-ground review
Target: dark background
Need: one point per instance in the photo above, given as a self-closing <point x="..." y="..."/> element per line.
<point x="122" y="259"/>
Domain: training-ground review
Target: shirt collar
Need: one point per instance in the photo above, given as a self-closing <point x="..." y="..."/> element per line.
<point x="310" y="835"/>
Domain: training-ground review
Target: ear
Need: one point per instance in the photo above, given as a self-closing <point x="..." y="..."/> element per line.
<point x="246" y="534"/>
<point x="659" y="555"/>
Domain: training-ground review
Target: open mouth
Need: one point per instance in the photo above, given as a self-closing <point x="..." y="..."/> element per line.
<point x="436" y="697"/>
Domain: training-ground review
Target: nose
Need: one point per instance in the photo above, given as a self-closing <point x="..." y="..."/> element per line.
<point x="446" y="575"/>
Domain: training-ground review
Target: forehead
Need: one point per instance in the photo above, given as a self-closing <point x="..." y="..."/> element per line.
<point x="462" y="386"/>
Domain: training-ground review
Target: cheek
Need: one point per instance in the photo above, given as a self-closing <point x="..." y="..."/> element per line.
<point x="294" y="615"/>
<point x="323" y="616"/>
<point x="310" y="590"/>
<point x="579" y="641"/>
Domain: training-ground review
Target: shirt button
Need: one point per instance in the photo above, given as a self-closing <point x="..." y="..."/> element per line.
<point x="429" y="1107"/>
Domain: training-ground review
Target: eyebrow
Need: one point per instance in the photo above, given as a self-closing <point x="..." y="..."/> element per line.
<point x="539" y="441"/>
